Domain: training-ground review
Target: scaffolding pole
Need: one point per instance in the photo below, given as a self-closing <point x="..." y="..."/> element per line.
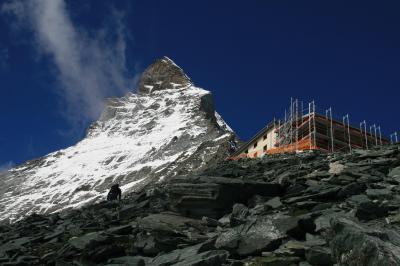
<point x="370" y="131"/>
<point x="346" y="117"/>
<point x="365" y="132"/>
<point x="380" y="135"/>
<point x="376" y="137"/>
<point x="297" y="124"/>
<point x="329" y="111"/>
<point x="278" y="133"/>
<point x="361" y="130"/>
<point x="309" y="123"/>
<point x="315" y="129"/>
<point x="291" y="119"/>
<point x="393" y="140"/>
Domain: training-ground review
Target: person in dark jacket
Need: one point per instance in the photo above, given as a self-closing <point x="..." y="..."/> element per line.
<point x="114" y="193"/>
<point x="232" y="145"/>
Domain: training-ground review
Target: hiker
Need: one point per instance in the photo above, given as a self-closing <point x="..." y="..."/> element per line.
<point x="114" y="193"/>
<point x="232" y="146"/>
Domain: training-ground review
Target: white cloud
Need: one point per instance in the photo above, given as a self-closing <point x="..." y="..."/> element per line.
<point x="89" y="66"/>
<point x="6" y="166"/>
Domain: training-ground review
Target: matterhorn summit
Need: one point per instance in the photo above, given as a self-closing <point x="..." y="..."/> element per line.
<point x="168" y="128"/>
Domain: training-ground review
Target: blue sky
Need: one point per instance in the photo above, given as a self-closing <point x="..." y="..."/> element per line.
<point x="60" y="58"/>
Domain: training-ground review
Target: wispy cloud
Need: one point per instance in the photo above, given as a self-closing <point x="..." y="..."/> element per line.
<point x="6" y="166"/>
<point x="89" y="66"/>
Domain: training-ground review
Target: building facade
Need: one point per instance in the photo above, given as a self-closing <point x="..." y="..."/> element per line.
<point x="312" y="131"/>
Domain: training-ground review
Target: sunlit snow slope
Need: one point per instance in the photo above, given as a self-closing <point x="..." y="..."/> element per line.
<point x="169" y="127"/>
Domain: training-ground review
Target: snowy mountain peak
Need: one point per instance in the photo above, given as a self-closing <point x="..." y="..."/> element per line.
<point x="163" y="74"/>
<point x="168" y="130"/>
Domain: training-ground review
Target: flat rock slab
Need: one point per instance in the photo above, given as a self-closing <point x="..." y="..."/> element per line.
<point x="169" y="222"/>
<point x="88" y="241"/>
<point x="214" y="196"/>
<point x="199" y="254"/>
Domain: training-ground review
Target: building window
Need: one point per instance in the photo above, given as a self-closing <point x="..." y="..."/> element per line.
<point x="255" y="145"/>
<point x="265" y="136"/>
<point x="265" y="147"/>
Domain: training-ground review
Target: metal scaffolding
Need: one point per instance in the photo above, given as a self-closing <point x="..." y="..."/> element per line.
<point x="393" y="138"/>
<point x="306" y="129"/>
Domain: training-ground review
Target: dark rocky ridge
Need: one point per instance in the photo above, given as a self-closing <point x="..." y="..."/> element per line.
<point x="305" y="209"/>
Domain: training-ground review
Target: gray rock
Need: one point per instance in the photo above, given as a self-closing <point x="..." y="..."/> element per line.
<point x="298" y="248"/>
<point x="306" y="204"/>
<point x="276" y="261"/>
<point x="132" y="210"/>
<point x="316" y="193"/>
<point x="322" y="206"/>
<point x="314" y="240"/>
<point x="323" y="222"/>
<point x="290" y="226"/>
<point x="210" y="222"/>
<point x="15" y="244"/>
<point x="103" y="253"/>
<point x="395" y="172"/>
<point x="320" y="256"/>
<point x="214" y="196"/>
<point x="379" y="193"/>
<point x="207" y="258"/>
<point x="357" y="199"/>
<point x="351" y="189"/>
<point x="239" y="214"/>
<point x="371" y="210"/>
<point x="128" y="260"/>
<point x="89" y="240"/>
<point x="354" y="244"/>
<point x="274" y="203"/>
<point x="194" y="255"/>
<point x="375" y="153"/>
<point x="170" y="222"/>
<point x="120" y="230"/>
<point x="262" y="234"/>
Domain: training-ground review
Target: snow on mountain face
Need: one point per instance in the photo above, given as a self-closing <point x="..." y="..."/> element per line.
<point x="170" y="127"/>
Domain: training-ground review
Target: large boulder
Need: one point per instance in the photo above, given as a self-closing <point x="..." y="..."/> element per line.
<point x="213" y="197"/>
<point x="258" y="234"/>
<point x="166" y="231"/>
<point x="354" y="244"/>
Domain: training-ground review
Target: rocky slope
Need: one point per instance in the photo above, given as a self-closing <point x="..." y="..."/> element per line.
<point x="169" y="127"/>
<point x="305" y="209"/>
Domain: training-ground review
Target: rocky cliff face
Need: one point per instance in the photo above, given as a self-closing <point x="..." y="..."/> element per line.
<point x="170" y="127"/>
<point x="305" y="209"/>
